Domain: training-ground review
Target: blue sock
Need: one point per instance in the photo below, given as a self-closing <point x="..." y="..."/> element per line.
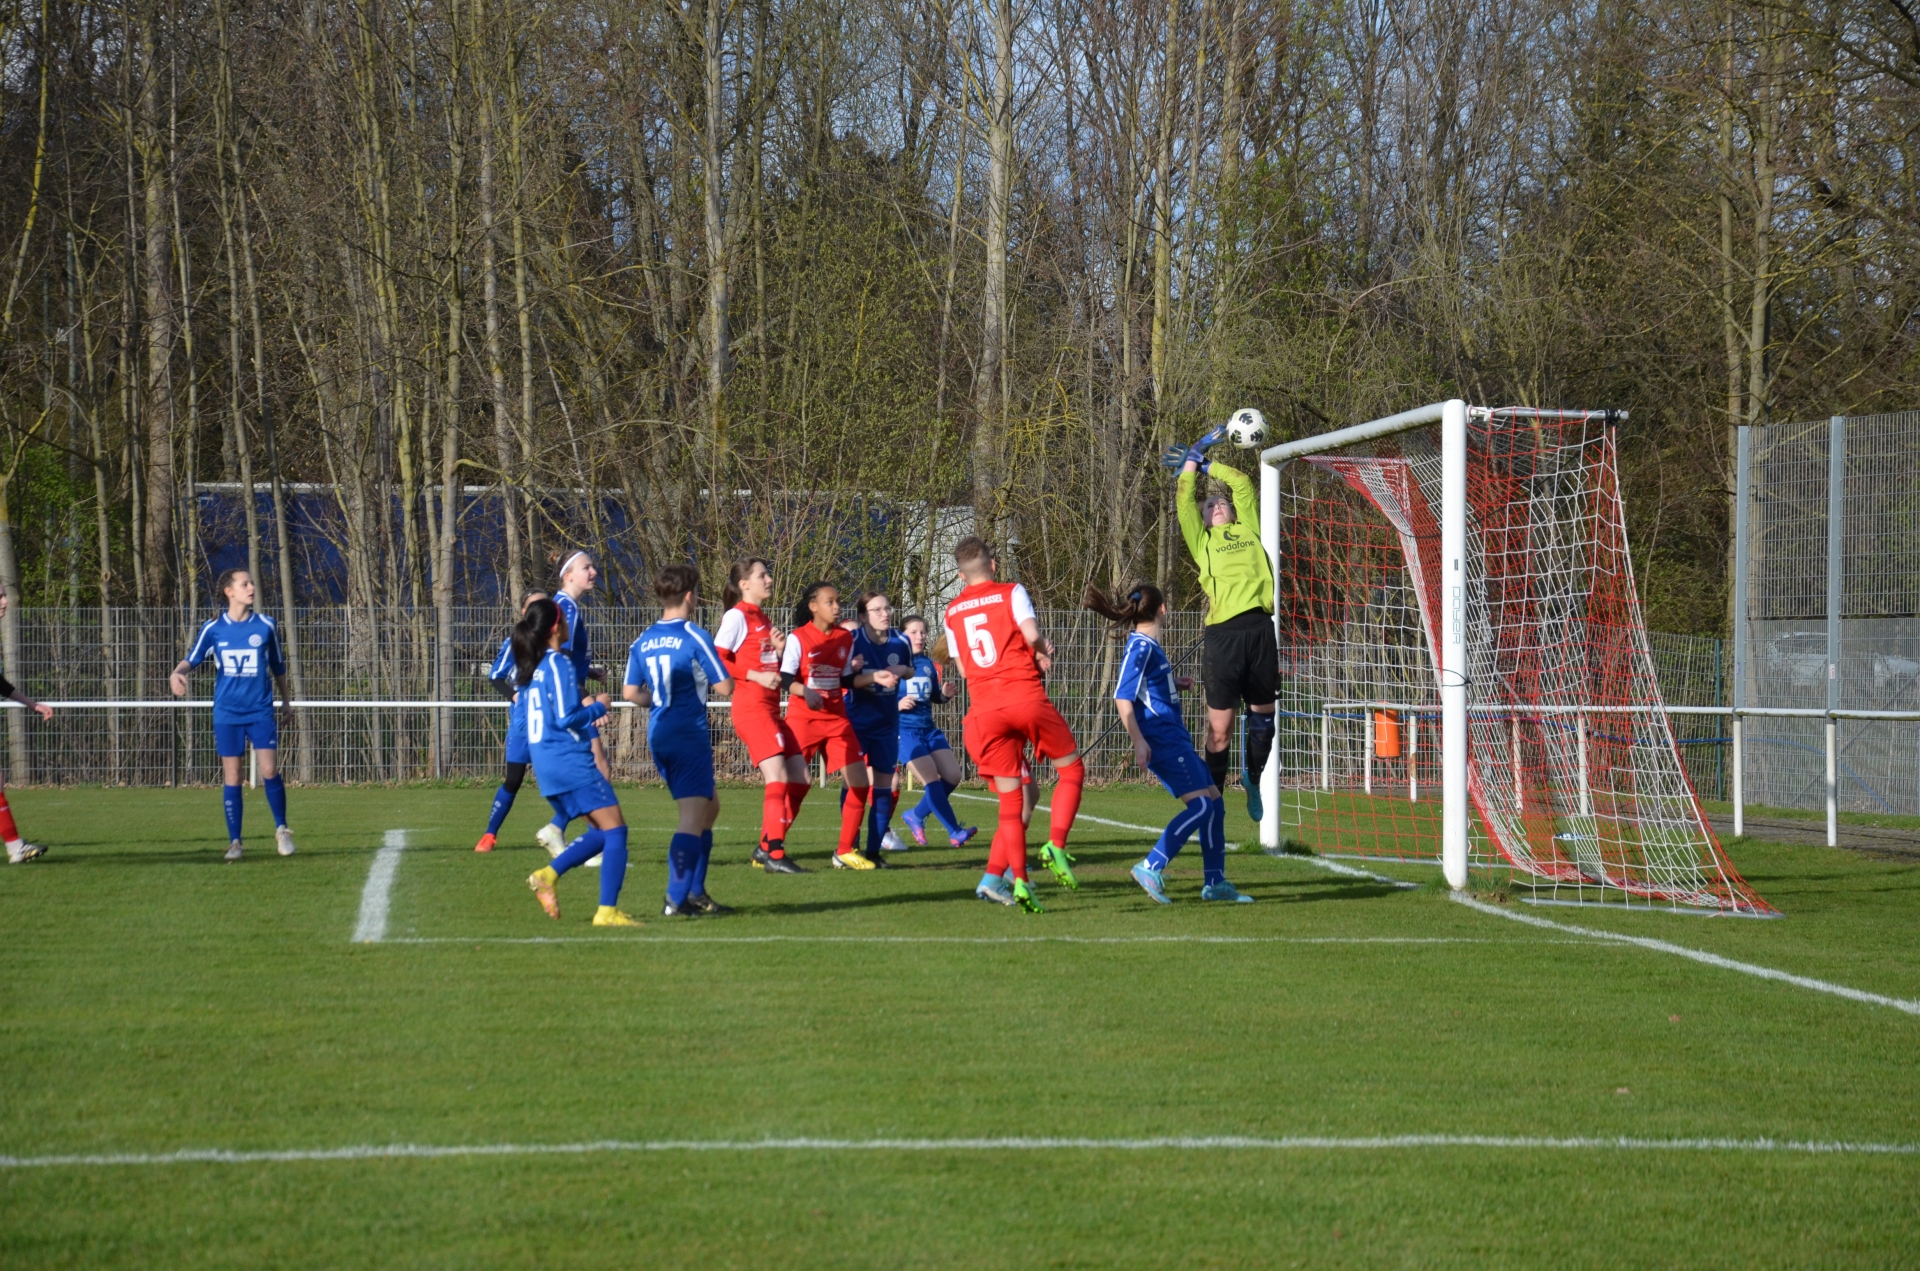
<point x="700" y="867"/>
<point x="936" y="801"/>
<point x="231" y="798"/>
<point x="992" y="880"/>
<point x="613" y="864"/>
<point x="1213" y="841"/>
<point x="276" y="788"/>
<point x="878" y="815"/>
<point x="502" y="804"/>
<point x="683" y="854"/>
<point x="1188" y="819"/>
<point x="581" y="850"/>
<point x="560" y="818"/>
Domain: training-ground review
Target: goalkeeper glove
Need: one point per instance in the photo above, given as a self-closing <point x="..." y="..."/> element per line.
<point x="1176" y="458"/>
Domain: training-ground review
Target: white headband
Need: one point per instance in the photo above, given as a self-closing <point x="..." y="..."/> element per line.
<point x="567" y="564"/>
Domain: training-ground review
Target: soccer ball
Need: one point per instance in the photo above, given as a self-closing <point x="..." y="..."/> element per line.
<point x="1247" y="428"/>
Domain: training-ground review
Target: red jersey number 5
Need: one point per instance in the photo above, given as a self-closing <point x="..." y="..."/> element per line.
<point x="980" y="640"/>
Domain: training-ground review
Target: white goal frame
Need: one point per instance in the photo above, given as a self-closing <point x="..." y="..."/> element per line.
<point x="1451" y="415"/>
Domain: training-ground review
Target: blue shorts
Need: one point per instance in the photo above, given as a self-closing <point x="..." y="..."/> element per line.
<point x="517" y="751"/>
<point x="580" y="800"/>
<point x="687" y="770"/>
<point x="230" y="739"/>
<point x="882" y="746"/>
<point x="919" y="743"/>
<point x="1178" y="766"/>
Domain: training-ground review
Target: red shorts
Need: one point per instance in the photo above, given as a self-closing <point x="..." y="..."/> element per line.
<point x="831" y="734"/>
<point x="765" y="735"/>
<point x="997" y="737"/>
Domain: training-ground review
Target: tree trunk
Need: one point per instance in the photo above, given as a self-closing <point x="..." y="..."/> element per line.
<point x="718" y="354"/>
<point x="158" y="408"/>
<point x="496" y="367"/>
<point x="989" y="424"/>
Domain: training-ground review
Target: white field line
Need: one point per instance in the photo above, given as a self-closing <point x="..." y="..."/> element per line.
<point x="377" y="897"/>
<point x="773" y="939"/>
<point x="1317" y="861"/>
<point x="1228" y="1143"/>
<point x="1697" y="955"/>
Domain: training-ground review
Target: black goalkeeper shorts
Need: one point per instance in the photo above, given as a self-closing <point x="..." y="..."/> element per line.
<point x="1242" y="662"/>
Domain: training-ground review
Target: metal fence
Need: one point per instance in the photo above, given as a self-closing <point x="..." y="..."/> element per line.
<point x="1827" y="579"/>
<point x="125" y="655"/>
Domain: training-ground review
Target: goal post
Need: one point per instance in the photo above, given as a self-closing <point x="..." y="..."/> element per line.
<point x="1456" y="617"/>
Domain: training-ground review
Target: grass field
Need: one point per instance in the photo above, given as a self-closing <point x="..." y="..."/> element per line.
<point x="160" y="1001"/>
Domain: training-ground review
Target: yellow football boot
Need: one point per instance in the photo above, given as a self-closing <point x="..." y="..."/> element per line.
<point x="608" y="916"/>
<point x="542" y="881"/>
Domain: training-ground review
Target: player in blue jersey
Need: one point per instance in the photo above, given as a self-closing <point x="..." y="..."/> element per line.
<point x="504" y="677"/>
<point x="923" y="747"/>
<point x="558" y="722"/>
<point x="672" y="668"/>
<point x="577" y="577"/>
<point x="873" y="709"/>
<point x="244" y="647"/>
<point x="1147" y="696"/>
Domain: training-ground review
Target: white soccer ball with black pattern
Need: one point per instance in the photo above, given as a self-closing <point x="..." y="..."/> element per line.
<point x="1247" y="428"/>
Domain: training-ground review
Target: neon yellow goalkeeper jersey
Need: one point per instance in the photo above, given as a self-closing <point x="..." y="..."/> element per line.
<point x="1233" y="566"/>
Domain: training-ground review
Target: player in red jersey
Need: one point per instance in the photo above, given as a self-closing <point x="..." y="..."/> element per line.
<point x="997" y="645"/>
<point x="818" y="667"/>
<point x="749" y="644"/>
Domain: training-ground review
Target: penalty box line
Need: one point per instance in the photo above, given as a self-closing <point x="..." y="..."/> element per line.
<point x="376" y="898"/>
<point x="1185" y="1143"/>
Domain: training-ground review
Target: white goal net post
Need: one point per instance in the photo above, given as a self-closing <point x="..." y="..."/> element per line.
<point x="1461" y="574"/>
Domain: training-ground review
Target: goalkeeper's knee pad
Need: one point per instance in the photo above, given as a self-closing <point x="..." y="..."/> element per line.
<point x="1259" y="743"/>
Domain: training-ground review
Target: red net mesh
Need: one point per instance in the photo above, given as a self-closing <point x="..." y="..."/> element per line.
<point x="1573" y="774"/>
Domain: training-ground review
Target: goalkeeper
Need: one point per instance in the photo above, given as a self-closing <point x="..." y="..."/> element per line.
<point x="1242" y="659"/>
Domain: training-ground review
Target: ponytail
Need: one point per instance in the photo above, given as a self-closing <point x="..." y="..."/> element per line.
<point x="803" y="610"/>
<point x="1141" y="603"/>
<point x="730" y="596"/>
<point x="530" y="637"/>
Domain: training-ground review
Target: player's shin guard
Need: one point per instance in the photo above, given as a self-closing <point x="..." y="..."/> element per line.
<point x="773" y="813"/>
<point x="1259" y="743"/>
<point x="937" y="801"/>
<point x="1213" y="841"/>
<point x="877" y="820"/>
<point x="700" y="866"/>
<point x="276" y="788"/>
<point x="230" y="798"/>
<point x="581" y="850"/>
<point x="683" y="855"/>
<point x="1188" y="819"/>
<point x="1010" y="838"/>
<point x="853" y="813"/>
<point x="613" y="864"/>
<point x="1066" y="802"/>
<point x="1217" y="764"/>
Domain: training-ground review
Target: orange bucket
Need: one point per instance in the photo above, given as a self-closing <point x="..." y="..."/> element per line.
<point x="1386" y="735"/>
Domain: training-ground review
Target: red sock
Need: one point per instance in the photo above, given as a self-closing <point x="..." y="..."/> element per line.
<point x="853" y="818"/>
<point x="796" y="795"/>
<point x="1010" y="839"/>
<point x="1066" y="802"/>
<point x="9" y="832"/>
<point x="773" y="813"/>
